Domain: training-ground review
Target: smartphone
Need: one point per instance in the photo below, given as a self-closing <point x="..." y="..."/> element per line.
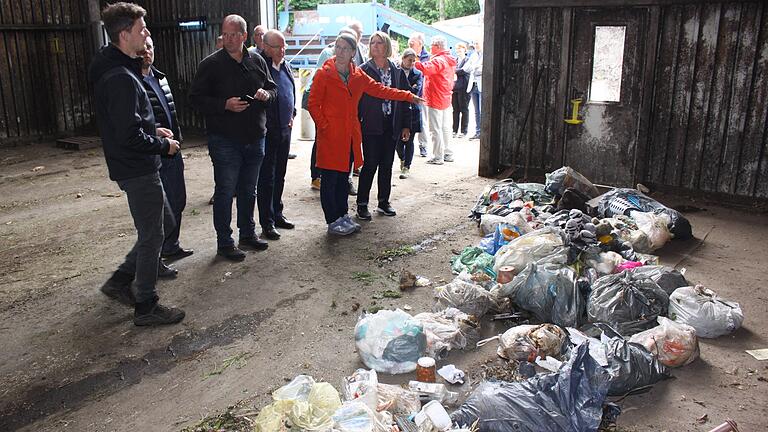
<point x="247" y="98"/>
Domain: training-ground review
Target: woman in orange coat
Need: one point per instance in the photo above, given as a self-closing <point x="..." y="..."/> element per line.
<point x="336" y="90"/>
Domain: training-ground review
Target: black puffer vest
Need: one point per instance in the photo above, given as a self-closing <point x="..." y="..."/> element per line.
<point x="161" y="119"/>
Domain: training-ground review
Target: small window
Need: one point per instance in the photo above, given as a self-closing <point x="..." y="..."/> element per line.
<point x="607" y="62"/>
<point x="193" y="24"/>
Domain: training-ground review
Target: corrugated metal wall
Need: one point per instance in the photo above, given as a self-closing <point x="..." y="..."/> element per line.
<point x="178" y="53"/>
<point x="708" y="99"/>
<point x="45" y="48"/>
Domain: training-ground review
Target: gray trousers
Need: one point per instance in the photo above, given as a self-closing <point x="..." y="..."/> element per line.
<point x="150" y="210"/>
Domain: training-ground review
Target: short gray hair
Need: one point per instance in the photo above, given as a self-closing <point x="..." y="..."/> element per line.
<point x="237" y="19"/>
<point x="419" y="36"/>
<point x="439" y="41"/>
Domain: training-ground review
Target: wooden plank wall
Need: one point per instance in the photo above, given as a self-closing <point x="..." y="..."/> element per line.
<point x="708" y="125"/>
<point x="179" y="53"/>
<point x="538" y="146"/>
<point x="710" y="101"/>
<point x="44" y="54"/>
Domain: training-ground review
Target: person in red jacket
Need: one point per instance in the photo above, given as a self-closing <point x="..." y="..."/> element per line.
<point x="438" y="86"/>
<point x="336" y="91"/>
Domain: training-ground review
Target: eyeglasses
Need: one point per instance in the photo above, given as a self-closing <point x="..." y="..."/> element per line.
<point x="274" y="46"/>
<point x="231" y="35"/>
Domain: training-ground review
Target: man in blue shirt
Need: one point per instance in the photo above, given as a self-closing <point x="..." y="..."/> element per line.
<point x="280" y="114"/>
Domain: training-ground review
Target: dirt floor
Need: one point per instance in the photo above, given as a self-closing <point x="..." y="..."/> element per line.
<point x="72" y="360"/>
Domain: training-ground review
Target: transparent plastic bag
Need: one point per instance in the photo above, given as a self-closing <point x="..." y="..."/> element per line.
<point x="488" y="223"/>
<point x="654" y="228"/>
<point x="566" y="177"/>
<point x="705" y="311"/>
<point x="472" y="259"/>
<point x="446" y="330"/>
<point x="390" y="341"/>
<point x="526" y="342"/>
<point x="397" y="400"/>
<point x="467" y="297"/>
<point x="528" y="248"/>
<point x="355" y="416"/>
<point x="674" y="344"/>
<point x="362" y="387"/>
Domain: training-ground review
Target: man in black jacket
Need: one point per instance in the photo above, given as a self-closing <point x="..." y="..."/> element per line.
<point x="172" y="169"/>
<point x="280" y="116"/>
<point x="233" y="88"/>
<point x="132" y="149"/>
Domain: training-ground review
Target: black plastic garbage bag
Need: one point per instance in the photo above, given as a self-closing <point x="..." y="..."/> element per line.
<point x="622" y="201"/>
<point x="628" y="301"/>
<point x="569" y="400"/>
<point x="667" y="278"/>
<point x="631" y="366"/>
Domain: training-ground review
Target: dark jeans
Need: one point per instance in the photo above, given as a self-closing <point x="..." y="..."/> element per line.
<point x="334" y="194"/>
<point x="313" y="170"/>
<point x="172" y="176"/>
<point x="378" y="153"/>
<point x="235" y="168"/>
<point x="477" y="99"/>
<point x="149" y="209"/>
<point x="405" y="150"/>
<point x="269" y="194"/>
<point x="460" y="102"/>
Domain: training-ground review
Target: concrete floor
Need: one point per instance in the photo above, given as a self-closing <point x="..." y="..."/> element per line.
<point x="72" y="360"/>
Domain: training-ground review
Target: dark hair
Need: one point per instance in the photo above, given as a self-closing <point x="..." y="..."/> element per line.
<point x="120" y="16"/>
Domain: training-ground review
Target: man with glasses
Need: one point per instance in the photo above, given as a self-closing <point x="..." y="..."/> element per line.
<point x="280" y="116"/>
<point x="258" y="39"/>
<point x="233" y="88"/>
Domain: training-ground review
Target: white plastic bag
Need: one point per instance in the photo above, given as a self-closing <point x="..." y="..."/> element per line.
<point x="529" y="248"/>
<point x="357" y="417"/>
<point x="526" y="342"/>
<point x="705" y="311"/>
<point x="465" y="296"/>
<point x="445" y="330"/>
<point x="675" y="344"/>
<point x="654" y="227"/>
<point x="390" y="341"/>
<point x="397" y="400"/>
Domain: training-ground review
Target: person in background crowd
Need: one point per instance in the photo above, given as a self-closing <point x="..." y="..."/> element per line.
<point x="361" y="51"/>
<point x="132" y="148"/>
<point x="336" y="90"/>
<point x="384" y="123"/>
<point x="325" y="54"/>
<point x="460" y="97"/>
<point x="416" y="43"/>
<point x="233" y="88"/>
<point x="474" y="85"/>
<point x="438" y="85"/>
<point x="172" y="168"/>
<point x="219" y="42"/>
<point x="415" y="80"/>
<point x="258" y="39"/>
<point x="280" y="115"/>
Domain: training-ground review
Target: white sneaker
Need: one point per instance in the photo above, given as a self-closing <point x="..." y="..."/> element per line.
<point x="404" y="173"/>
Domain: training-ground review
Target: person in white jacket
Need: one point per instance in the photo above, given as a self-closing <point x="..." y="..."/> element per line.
<point x="475" y="87"/>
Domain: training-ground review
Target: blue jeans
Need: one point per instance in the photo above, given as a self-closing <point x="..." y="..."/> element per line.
<point x="405" y="150"/>
<point x="476" y="100"/>
<point x="150" y="211"/>
<point x="235" y="169"/>
<point x="272" y="177"/>
<point x="334" y="194"/>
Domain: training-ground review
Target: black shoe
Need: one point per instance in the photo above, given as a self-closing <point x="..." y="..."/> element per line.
<point x="177" y="254"/>
<point x="386" y="210"/>
<point x="158" y="315"/>
<point x="254" y="243"/>
<point x="231" y="253"/>
<point x="118" y="288"/>
<point x="352" y="190"/>
<point x="284" y="223"/>
<point x="270" y="233"/>
<point x="166" y="272"/>
<point x="291" y="156"/>
<point x="363" y="213"/>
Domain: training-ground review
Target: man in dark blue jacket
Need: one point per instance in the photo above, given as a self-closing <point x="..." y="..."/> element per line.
<point x="132" y="149"/>
<point x="277" y="146"/>
<point x="172" y="169"/>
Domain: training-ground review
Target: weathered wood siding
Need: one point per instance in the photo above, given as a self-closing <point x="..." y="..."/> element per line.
<point x="45" y="48"/>
<point x="706" y="101"/>
<point x="178" y="53"/>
